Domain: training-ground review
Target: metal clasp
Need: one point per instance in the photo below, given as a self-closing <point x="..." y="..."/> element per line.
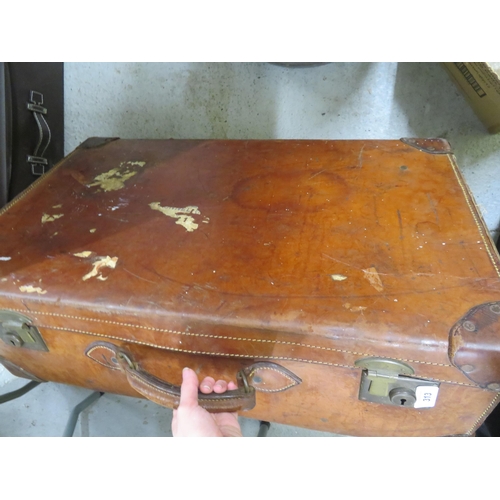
<point x="127" y="359"/>
<point x="387" y="381"/>
<point x="16" y="330"/>
<point x="35" y="105"/>
<point x="241" y="376"/>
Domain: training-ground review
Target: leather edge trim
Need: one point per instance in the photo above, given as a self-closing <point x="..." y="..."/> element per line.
<point x="483" y="416"/>
<point x="96" y="142"/>
<point x="476" y="215"/>
<point x="41" y="179"/>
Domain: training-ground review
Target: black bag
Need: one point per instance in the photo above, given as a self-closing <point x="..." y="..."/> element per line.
<point x="31" y="123"/>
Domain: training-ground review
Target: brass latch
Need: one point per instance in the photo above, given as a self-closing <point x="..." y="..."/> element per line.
<point x="17" y="330"/>
<point x="387" y="381"/>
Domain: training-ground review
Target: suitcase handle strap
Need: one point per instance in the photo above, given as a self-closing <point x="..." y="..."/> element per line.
<point x="260" y="376"/>
<point x="168" y="395"/>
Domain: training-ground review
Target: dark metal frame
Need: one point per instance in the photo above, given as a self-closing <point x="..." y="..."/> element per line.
<point x="19" y="392"/>
<point x="69" y="430"/>
<point x="75" y="413"/>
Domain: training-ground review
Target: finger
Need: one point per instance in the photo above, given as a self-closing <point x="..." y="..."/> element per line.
<point x="189" y="388"/>
<point x="220" y="386"/>
<point x="232" y="386"/>
<point x="207" y="385"/>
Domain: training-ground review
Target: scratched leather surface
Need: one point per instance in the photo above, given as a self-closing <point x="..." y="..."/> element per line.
<point x="305" y="251"/>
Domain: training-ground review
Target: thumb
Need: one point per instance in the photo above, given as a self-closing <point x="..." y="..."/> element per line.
<point x="189" y="388"/>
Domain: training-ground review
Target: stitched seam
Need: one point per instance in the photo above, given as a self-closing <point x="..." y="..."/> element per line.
<point x="174" y="395"/>
<point x="451" y="382"/>
<point x="293" y="382"/>
<point x="273" y="369"/>
<point x="190" y="334"/>
<point x="175" y="349"/>
<point x="467" y="196"/>
<point x="150" y="385"/>
<point x="471" y="430"/>
<point x="100" y="362"/>
<point x="228" y="355"/>
<point x="275" y="390"/>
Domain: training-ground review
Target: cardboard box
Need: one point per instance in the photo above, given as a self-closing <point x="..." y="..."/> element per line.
<point x="480" y="84"/>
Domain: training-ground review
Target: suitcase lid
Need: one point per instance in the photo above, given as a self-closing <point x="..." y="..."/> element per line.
<point x="314" y="251"/>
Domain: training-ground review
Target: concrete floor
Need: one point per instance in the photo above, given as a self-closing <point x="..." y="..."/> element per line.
<point x="249" y="101"/>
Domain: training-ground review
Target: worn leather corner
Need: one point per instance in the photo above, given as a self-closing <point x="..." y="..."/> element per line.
<point x="270" y="377"/>
<point x="473" y="345"/>
<point x="431" y="146"/>
<point x="18" y="371"/>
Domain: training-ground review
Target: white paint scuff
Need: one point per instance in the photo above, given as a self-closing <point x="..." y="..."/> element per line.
<point x="50" y="218"/>
<point x="182" y="215"/>
<point x="32" y="289"/>
<point x="99" y="264"/>
<point x="338" y="277"/>
<point x="354" y="308"/>
<point x="371" y="274"/>
<point x="92" y="230"/>
<point x="83" y="254"/>
<point x="114" y="179"/>
<point x="5" y="258"/>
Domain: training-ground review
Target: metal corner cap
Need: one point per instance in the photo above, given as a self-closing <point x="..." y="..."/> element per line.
<point x="430" y="145"/>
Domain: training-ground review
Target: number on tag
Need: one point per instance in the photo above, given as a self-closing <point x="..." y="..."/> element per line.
<point x="426" y="396"/>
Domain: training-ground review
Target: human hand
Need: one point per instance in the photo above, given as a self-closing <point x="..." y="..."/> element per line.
<point x="191" y="420"/>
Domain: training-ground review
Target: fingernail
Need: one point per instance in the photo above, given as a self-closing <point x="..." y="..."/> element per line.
<point x="185" y="369"/>
<point x="206" y="386"/>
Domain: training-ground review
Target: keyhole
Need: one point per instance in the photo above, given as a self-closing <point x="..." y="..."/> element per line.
<point x="13" y="343"/>
<point x="403" y="401"/>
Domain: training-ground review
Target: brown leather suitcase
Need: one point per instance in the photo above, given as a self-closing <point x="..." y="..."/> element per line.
<point x="349" y="286"/>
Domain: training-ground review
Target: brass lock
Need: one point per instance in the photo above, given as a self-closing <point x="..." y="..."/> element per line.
<point x="402" y="397"/>
<point x="386" y="381"/>
<point x="17" y="330"/>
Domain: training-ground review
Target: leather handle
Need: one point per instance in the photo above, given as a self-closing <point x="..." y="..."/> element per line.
<point x="260" y="376"/>
<point x="169" y="395"/>
<point x="164" y="393"/>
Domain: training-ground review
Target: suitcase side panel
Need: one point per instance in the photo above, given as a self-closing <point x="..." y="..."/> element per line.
<point x="327" y="398"/>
